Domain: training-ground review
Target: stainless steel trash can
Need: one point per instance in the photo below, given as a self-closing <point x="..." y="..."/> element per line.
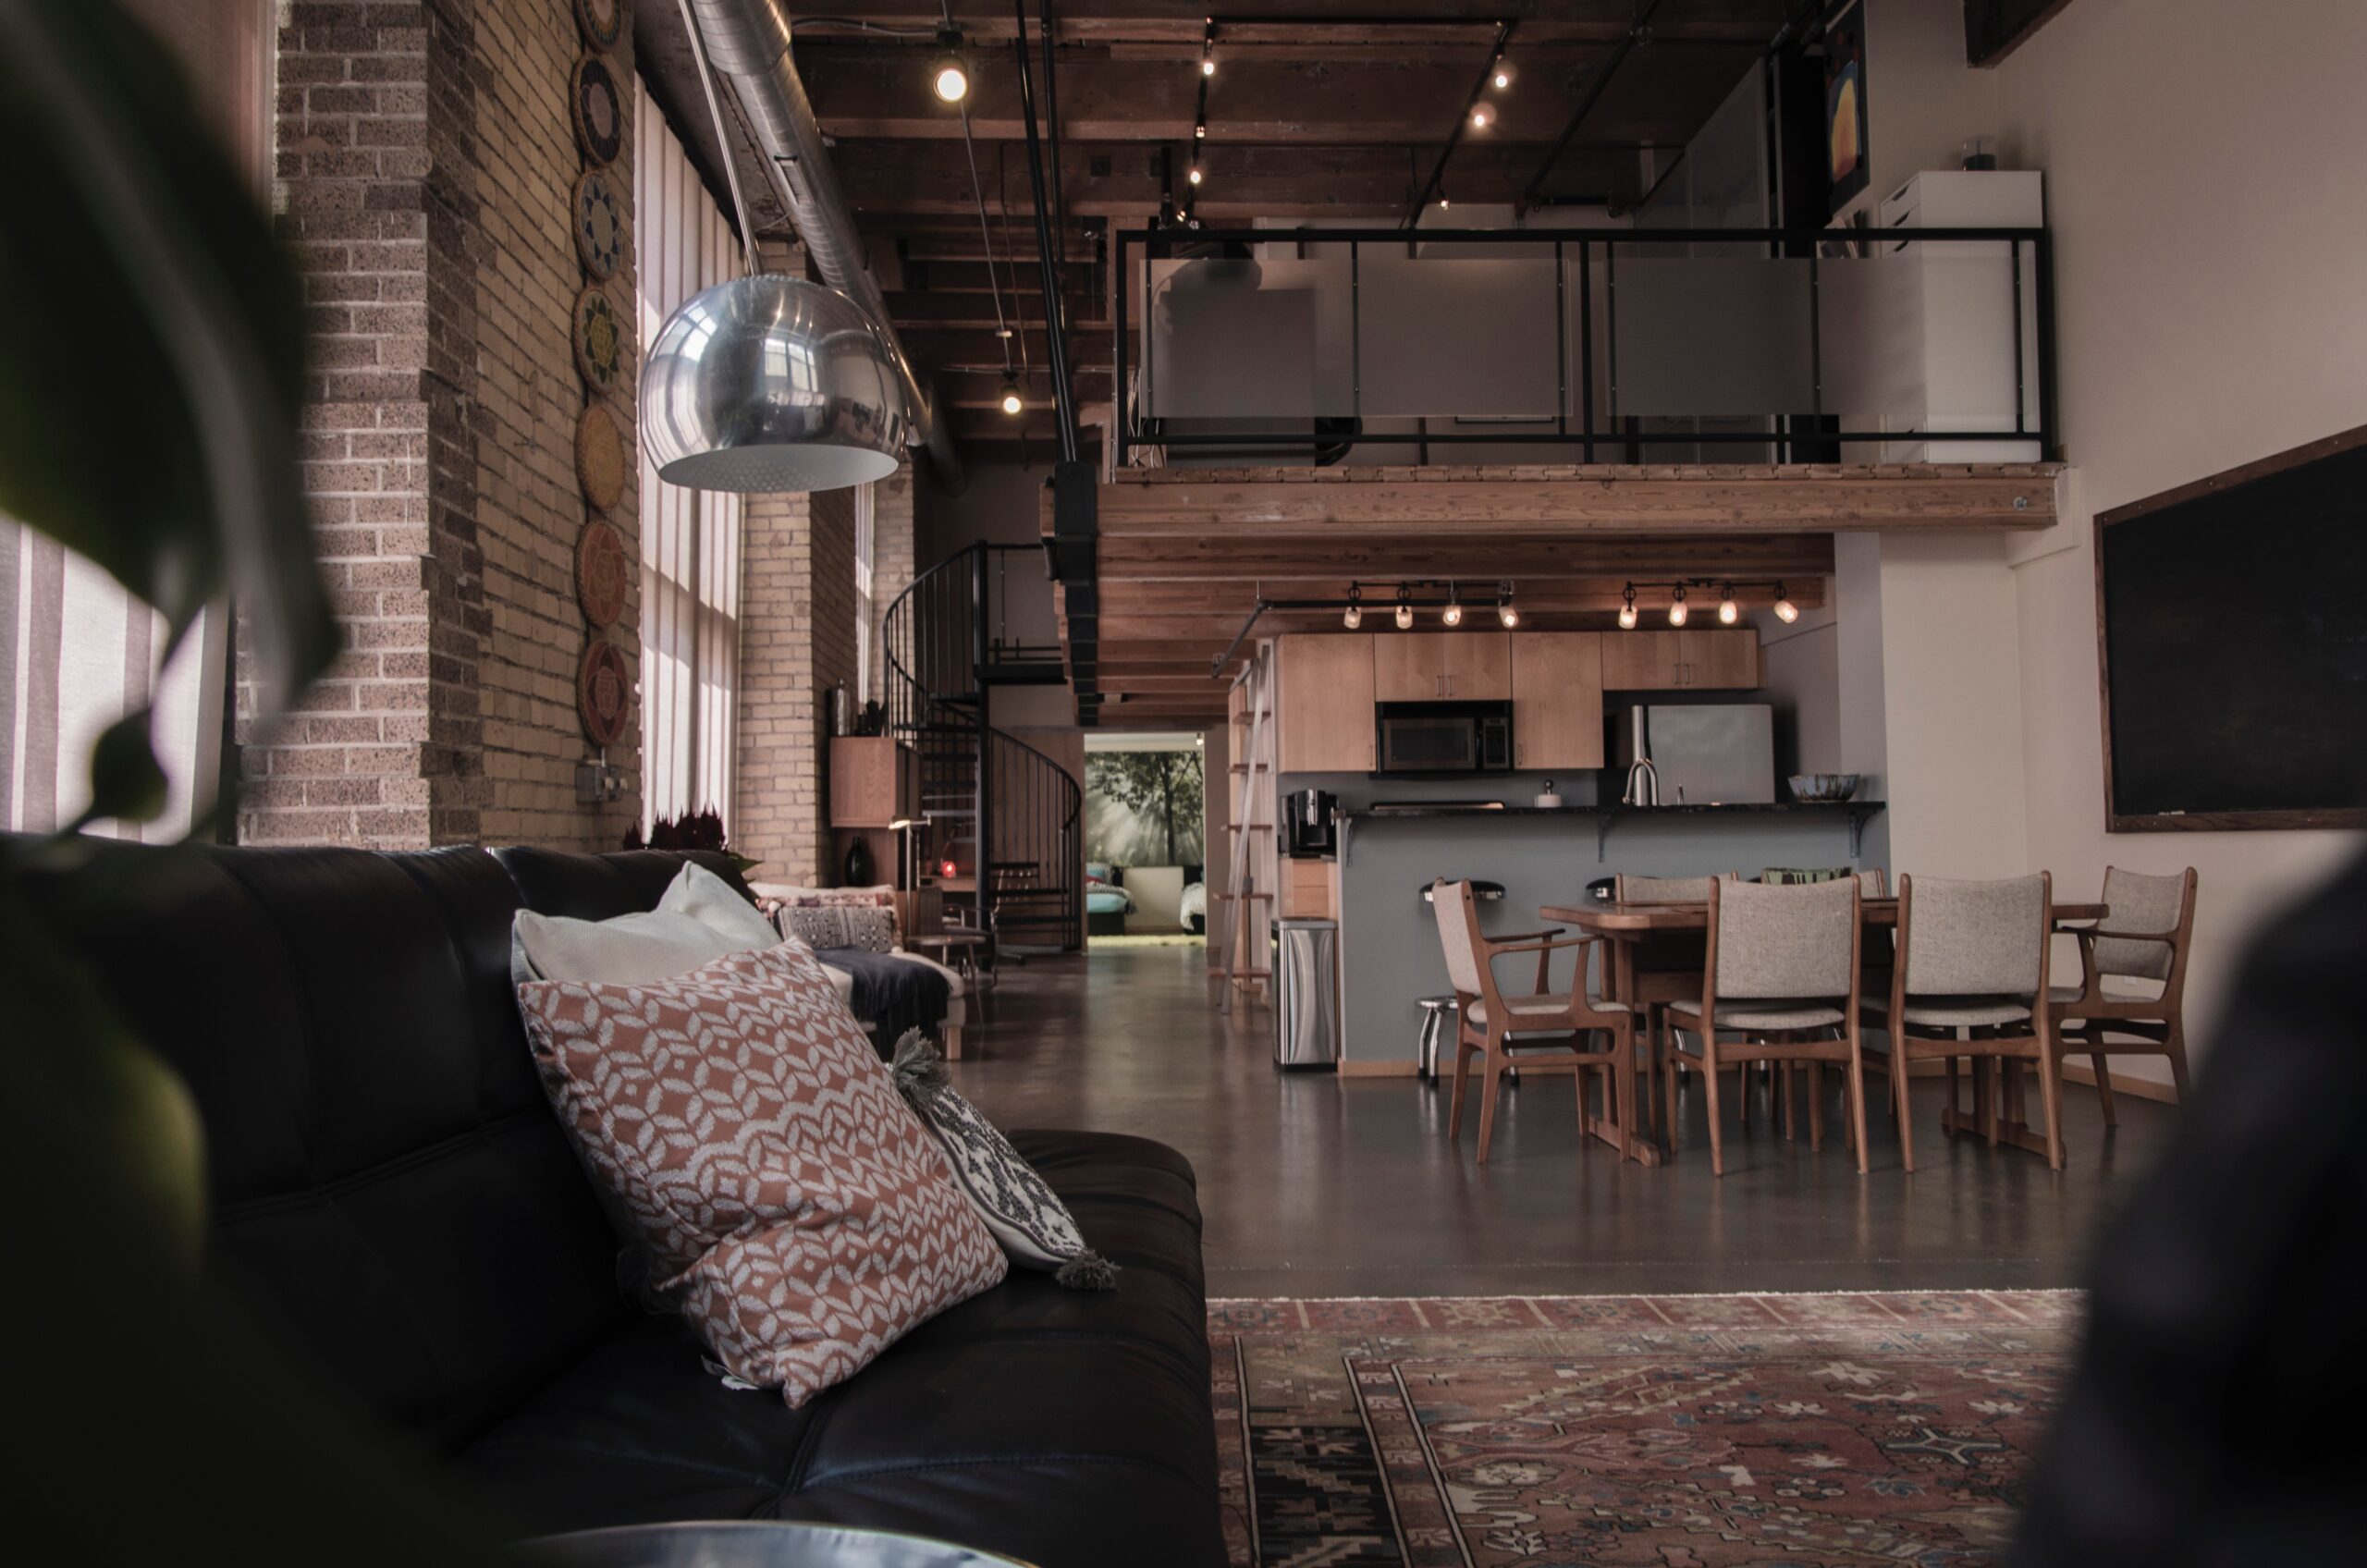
<point x="1306" y="993"/>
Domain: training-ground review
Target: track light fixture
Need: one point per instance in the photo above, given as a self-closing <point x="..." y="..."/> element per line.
<point x="949" y="77"/>
<point x="1727" y="614"/>
<point x="1482" y="117"/>
<point x="1676" y="611"/>
<point x="1786" y="611"/>
<point x="1208" y="47"/>
<point x="1503" y="76"/>
<point x="1011" y="401"/>
<point x="1193" y="174"/>
<point x="1404" y="609"/>
<point x="1627" y="609"/>
<point x="1507" y="613"/>
<point x="1354" y="615"/>
<point x="1453" y="614"/>
<point x="1199" y="130"/>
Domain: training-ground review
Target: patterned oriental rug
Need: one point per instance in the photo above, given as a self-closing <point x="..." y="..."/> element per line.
<point x="1671" y="1431"/>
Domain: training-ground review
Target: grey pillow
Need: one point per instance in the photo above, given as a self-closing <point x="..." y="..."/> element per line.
<point x="698" y="919"/>
<point x="817" y="928"/>
<point x="715" y="904"/>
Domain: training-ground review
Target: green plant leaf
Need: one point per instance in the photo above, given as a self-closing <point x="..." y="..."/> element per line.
<point x="151" y="342"/>
<point x="126" y="781"/>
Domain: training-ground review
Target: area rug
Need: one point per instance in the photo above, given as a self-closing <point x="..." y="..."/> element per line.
<point x="1672" y="1431"/>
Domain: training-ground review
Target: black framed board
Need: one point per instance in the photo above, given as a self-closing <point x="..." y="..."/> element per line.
<point x="2232" y="626"/>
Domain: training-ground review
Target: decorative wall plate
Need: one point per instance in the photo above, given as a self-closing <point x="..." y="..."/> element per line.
<point x="603" y="692"/>
<point x="599" y="225"/>
<point x="599" y="456"/>
<point x="599" y="111"/>
<point x="602" y="22"/>
<point x="599" y="341"/>
<point x="603" y="573"/>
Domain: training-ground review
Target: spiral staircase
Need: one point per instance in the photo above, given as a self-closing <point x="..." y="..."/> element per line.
<point x="1010" y="818"/>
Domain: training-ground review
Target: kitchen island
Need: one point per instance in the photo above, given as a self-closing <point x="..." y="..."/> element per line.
<point x="1389" y="943"/>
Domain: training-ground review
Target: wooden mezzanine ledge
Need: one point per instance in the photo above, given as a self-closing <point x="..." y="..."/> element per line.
<point x="1182" y="554"/>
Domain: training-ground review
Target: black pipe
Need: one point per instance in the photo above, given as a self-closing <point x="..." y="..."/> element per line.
<point x="1057" y="351"/>
<point x="1052" y="134"/>
<point x="1454" y="137"/>
<point x="1585" y="106"/>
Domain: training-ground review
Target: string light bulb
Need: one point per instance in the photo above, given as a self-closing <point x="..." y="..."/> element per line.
<point x="1786" y="611"/>
<point x="949" y="77"/>
<point x="1676" y="611"/>
<point x="1507" y="613"/>
<point x="1011" y="401"/>
<point x="1354" y="615"/>
<point x="1453" y="614"/>
<point x="1404" y="609"/>
<point x="1728" y="613"/>
<point x="1627" y="609"/>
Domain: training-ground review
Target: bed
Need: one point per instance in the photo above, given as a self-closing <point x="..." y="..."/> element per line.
<point x="1106" y="903"/>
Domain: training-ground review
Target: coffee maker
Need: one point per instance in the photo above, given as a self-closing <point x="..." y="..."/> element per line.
<point x="1307" y="823"/>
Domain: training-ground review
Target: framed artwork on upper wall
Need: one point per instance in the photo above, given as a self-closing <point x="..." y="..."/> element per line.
<point x="1845" y="101"/>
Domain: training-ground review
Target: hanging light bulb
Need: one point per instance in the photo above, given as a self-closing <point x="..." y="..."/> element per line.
<point x="1011" y="402"/>
<point x="1442" y="202"/>
<point x="1728" y="613"/>
<point x="1453" y="614"/>
<point x="1354" y="615"/>
<point x="1786" y="611"/>
<point x="1503" y="74"/>
<point x="1507" y="614"/>
<point x="1481" y="116"/>
<point x="1194" y="174"/>
<point x="1405" y="609"/>
<point x="949" y="77"/>
<point x="1676" y="608"/>
<point x="1627" y="609"/>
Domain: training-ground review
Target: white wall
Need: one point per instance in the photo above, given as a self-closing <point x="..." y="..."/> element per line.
<point x="2203" y="188"/>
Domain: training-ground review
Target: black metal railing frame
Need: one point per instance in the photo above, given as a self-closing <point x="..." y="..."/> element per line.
<point x="1802" y="245"/>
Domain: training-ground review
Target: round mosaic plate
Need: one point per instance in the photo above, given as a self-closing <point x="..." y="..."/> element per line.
<point x="599" y="111"/>
<point x="603" y="573"/>
<point x="603" y="692"/>
<point x="602" y="22"/>
<point x="599" y="456"/>
<point x="599" y="224"/>
<point x="599" y="341"/>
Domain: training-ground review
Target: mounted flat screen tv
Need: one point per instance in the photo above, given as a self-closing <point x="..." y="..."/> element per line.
<point x="2232" y="615"/>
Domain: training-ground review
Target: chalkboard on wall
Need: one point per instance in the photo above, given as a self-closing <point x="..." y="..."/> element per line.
<point x="2232" y="615"/>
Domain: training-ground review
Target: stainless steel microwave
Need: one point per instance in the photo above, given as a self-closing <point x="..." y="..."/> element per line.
<point x="1443" y="738"/>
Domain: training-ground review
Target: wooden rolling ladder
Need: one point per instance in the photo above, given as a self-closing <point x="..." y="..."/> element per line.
<point x="1246" y="906"/>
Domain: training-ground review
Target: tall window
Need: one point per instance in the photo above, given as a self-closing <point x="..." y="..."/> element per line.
<point x="690" y="539"/>
<point x="866" y="546"/>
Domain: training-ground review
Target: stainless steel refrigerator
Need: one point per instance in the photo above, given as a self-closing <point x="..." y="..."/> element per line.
<point x="1702" y="753"/>
<point x="1307" y="992"/>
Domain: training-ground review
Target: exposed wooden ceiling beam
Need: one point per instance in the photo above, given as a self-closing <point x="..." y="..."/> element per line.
<point x="1283" y="559"/>
<point x="1660" y="96"/>
<point x="1575" y="500"/>
<point x="1178" y="21"/>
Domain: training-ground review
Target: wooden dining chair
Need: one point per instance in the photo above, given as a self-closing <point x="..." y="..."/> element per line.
<point x="2142" y="939"/>
<point x="1971" y="981"/>
<point x="1667" y="968"/>
<point x="1780" y="978"/>
<point x="1495" y="1025"/>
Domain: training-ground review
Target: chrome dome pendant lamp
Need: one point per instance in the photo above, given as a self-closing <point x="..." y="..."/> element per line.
<point x="769" y="383"/>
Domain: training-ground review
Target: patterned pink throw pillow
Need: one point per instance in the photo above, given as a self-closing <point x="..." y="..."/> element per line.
<point x="792" y="1203"/>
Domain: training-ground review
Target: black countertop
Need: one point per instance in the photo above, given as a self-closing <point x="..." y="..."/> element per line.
<point x="1614" y="809"/>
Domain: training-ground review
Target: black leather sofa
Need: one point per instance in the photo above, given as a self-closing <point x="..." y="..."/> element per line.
<point x="393" y="1196"/>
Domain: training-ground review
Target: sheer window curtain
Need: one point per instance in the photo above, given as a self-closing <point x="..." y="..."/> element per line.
<point x="76" y="651"/>
<point x="689" y="540"/>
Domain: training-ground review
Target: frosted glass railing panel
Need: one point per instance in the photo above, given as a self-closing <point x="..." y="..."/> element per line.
<point x="1238" y="340"/>
<point x="1458" y="337"/>
<point x="1968" y="319"/>
<point x="1870" y="322"/>
<point x="1706" y="336"/>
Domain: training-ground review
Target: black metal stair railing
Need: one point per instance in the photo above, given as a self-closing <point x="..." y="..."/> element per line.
<point x="1003" y="813"/>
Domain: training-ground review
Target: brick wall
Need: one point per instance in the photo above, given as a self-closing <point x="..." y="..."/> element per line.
<point x="423" y="168"/>
<point x="892" y="562"/>
<point x="796" y="642"/>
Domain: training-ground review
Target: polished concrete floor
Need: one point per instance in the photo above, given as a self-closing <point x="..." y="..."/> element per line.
<point x="1313" y="1185"/>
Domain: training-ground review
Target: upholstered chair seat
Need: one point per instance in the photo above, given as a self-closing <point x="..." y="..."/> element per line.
<point x="1555" y="1004"/>
<point x="1750" y="1016"/>
<point x="1954" y="1012"/>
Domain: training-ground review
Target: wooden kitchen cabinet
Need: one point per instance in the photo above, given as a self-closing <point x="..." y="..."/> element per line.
<point x="1433" y="667"/>
<point x="1557" y="699"/>
<point x="1323" y="688"/>
<point x="1710" y="658"/>
<point x="874" y="780"/>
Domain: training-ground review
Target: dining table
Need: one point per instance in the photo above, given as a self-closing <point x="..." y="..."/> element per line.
<point x="1626" y="926"/>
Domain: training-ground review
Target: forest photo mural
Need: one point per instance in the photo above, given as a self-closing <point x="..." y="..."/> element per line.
<point x="1143" y="808"/>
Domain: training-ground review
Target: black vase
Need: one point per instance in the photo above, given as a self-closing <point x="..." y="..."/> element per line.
<point x="857" y="868"/>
